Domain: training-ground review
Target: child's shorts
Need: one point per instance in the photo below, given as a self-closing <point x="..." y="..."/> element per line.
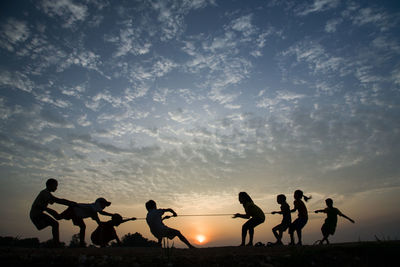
<point x="298" y="224"/>
<point x="282" y="227"/>
<point x="328" y="229"/>
<point x="69" y="214"/>
<point x="170" y="233"/>
<point x="42" y="220"/>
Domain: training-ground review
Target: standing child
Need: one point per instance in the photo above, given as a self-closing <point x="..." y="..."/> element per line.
<point x="329" y="226"/>
<point x="254" y="213"/>
<point x="105" y="232"/>
<point x="158" y="228"/>
<point x="81" y="211"/>
<point x="39" y="206"/>
<point x="302" y="216"/>
<point x="286" y="220"/>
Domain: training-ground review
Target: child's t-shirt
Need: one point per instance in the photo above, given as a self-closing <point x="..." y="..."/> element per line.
<point x="332" y="214"/>
<point x="285" y="209"/>
<point x="103" y="233"/>
<point x="253" y="210"/>
<point x="87" y="210"/>
<point x="42" y="200"/>
<point x="154" y="221"/>
<point x="301" y="208"/>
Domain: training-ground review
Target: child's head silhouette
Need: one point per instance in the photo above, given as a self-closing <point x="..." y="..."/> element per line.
<point x="116" y="219"/>
<point x="244" y="197"/>
<point x="298" y="194"/>
<point x="281" y="198"/>
<point x="329" y="202"/>
<point x="51" y="184"/>
<point x="151" y="204"/>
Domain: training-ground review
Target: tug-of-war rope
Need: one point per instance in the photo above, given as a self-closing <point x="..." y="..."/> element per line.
<point x="206" y="215"/>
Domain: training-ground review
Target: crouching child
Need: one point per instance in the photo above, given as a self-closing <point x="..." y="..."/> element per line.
<point x="105" y="231"/>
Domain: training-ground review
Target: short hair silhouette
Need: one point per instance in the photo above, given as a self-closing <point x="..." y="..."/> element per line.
<point x="51" y="182"/>
<point x="281" y="197"/>
<point x="151" y="204"/>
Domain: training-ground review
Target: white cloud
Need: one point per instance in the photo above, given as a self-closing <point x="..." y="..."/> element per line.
<point x="243" y="25"/>
<point x="136" y="92"/>
<point x="181" y="116"/>
<point x="332" y="24"/>
<point x="319" y="6"/>
<point x="16" y="80"/>
<point x="369" y="15"/>
<point x="161" y="95"/>
<point x="12" y="33"/>
<point x="69" y="11"/>
<point x="82" y="121"/>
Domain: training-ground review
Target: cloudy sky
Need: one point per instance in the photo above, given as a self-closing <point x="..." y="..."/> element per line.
<point x="190" y="102"/>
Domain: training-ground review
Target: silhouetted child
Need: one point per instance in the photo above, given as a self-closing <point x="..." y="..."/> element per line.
<point x="158" y="228"/>
<point x="39" y="206"/>
<point x="105" y="232"/>
<point x="302" y="216"/>
<point x="286" y="220"/>
<point x="81" y="211"/>
<point x="254" y="213"/>
<point x="329" y="226"/>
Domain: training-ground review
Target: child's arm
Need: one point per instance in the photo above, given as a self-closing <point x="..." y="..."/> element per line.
<point x="341" y="214"/>
<point x="105" y="213"/>
<point x="238" y="215"/>
<point x="64" y="201"/>
<point x="319" y="211"/>
<point x="276" y="212"/>
<point x="294" y="208"/>
<point x="170" y="210"/>
<point x="96" y="218"/>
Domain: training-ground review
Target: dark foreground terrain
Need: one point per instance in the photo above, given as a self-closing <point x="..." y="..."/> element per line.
<point x="348" y="254"/>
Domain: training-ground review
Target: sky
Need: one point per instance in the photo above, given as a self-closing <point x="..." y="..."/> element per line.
<point x="190" y="102"/>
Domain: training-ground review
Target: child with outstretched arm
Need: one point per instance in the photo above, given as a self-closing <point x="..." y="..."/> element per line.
<point x="105" y="232"/>
<point x="255" y="215"/>
<point x="329" y="226"/>
<point x="82" y="211"/>
<point x="158" y="228"/>
<point x="286" y="219"/>
<point x="40" y="219"/>
<point x="302" y="216"/>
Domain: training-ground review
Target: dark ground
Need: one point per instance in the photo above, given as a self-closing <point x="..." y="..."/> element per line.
<point x="340" y="255"/>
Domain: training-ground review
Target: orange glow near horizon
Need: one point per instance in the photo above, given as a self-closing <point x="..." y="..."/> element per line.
<point x="200" y="239"/>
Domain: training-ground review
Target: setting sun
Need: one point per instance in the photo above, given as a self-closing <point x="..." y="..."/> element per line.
<point x="200" y="238"/>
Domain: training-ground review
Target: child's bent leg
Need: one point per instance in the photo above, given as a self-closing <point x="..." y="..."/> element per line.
<point x="291" y="233"/>
<point x="184" y="240"/>
<point x="251" y="235"/>
<point x="55" y="231"/>
<point x="82" y="229"/>
<point x="299" y="236"/>
<point x="244" y="233"/>
<point x="277" y="233"/>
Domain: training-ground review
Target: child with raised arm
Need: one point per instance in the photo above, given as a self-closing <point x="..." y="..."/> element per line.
<point x="254" y="213"/>
<point x="39" y="206"/>
<point x="302" y="217"/>
<point x="286" y="219"/>
<point x="105" y="232"/>
<point x="329" y="226"/>
<point x="82" y="211"/>
<point x="158" y="228"/>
